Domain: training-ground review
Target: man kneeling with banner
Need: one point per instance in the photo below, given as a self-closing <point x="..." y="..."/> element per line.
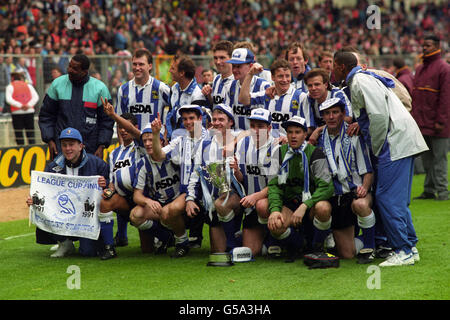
<point x="64" y="201"/>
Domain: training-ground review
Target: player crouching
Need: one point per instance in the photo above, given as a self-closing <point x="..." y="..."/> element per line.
<point x="298" y="195"/>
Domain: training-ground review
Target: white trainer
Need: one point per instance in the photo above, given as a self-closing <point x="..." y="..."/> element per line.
<point x="415" y="253"/>
<point x="64" y="248"/>
<point x="398" y="259"/>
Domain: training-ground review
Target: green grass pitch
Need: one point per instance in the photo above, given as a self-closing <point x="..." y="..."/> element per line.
<point x="28" y="273"/>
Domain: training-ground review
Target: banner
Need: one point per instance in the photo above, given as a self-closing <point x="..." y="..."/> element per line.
<point x="65" y="205"/>
<point x="16" y="163"/>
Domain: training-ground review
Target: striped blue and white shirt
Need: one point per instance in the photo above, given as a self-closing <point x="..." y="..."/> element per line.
<point x="241" y="112"/>
<point x="298" y="82"/>
<point x="181" y="151"/>
<point x="122" y="164"/>
<point x="220" y="88"/>
<point x="312" y="104"/>
<point x="159" y="181"/>
<point x="360" y="163"/>
<point x="281" y="107"/>
<point x="257" y="165"/>
<point x="192" y="94"/>
<point x="209" y="151"/>
<point x="143" y="101"/>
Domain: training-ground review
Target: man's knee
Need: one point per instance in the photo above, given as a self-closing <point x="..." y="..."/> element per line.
<point x="137" y="215"/>
<point x="322" y="210"/>
<point x="262" y="208"/>
<point x="361" y="206"/>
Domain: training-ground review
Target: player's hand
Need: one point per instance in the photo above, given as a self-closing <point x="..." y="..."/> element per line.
<point x="29" y="201"/>
<point x="156" y="125"/>
<point x="249" y="201"/>
<point x="234" y="164"/>
<point x="275" y="221"/>
<point x="107" y="107"/>
<point x="270" y="92"/>
<point x="256" y="68"/>
<point x="298" y="215"/>
<point x="154" y="206"/>
<point x="282" y="140"/>
<point x="438" y="127"/>
<point x="206" y="90"/>
<point x="192" y="209"/>
<point x="361" y="192"/>
<point x="52" y="149"/>
<point x="101" y="182"/>
<point x="353" y="129"/>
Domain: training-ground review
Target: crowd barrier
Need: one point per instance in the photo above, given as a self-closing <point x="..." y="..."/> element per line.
<point x="16" y="163"/>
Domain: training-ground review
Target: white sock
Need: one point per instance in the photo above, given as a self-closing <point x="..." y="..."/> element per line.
<point x="226" y="218"/>
<point x="358" y="245"/>
<point x="181" y="239"/>
<point x="367" y="222"/>
<point x="147" y="224"/>
<point x="322" y="225"/>
<point x="284" y="235"/>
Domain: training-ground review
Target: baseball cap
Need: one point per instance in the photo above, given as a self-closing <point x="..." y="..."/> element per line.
<point x="71" y="133"/>
<point x="225" y="109"/>
<point x="333" y="102"/>
<point x="295" y="121"/>
<point x="261" y="114"/>
<point x="148" y="129"/>
<point x="190" y="107"/>
<point x="241" y="55"/>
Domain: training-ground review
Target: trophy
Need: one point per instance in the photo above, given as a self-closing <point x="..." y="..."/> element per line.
<point x="218" y="176"/>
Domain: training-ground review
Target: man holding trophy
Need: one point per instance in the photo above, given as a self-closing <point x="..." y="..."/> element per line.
<point x="211" y="181"/>
<point x="256" y="163"/>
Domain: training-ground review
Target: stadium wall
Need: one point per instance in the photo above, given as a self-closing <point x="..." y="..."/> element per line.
<point x="16" y="163"/>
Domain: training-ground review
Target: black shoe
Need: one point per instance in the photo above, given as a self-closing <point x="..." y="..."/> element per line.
<point x="424" y="196"/>
<point x="274" y="252"/>
<point x="180" y="251"/>
<point x="109" y="253"/>
<point x="365" y="256"/>
<point x="293" y="254"/>
<point x="382" y="252"/>
<point x="120" y="242"/>
<point x="162" y="249"/>
<point x="442" y="197"/>
<point x="195" y="242"/>
<point x="320" y="260"/>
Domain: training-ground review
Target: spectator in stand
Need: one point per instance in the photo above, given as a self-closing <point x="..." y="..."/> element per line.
<point x="207" y="77"/>
<point x="4" y="81"/>
<point x="22" y="97"/>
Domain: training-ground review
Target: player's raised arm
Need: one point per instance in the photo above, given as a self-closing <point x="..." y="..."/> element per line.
<point x="158" y="153"/>
<point x="124" y="123"/>
<point x="244" y="94"/>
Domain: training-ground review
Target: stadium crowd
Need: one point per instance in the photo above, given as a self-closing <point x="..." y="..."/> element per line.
<point x="317" y="160"/>
<point x="191" y="27"/>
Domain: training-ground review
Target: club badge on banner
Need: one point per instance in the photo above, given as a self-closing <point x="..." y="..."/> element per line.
<point x="65" y="205"/>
